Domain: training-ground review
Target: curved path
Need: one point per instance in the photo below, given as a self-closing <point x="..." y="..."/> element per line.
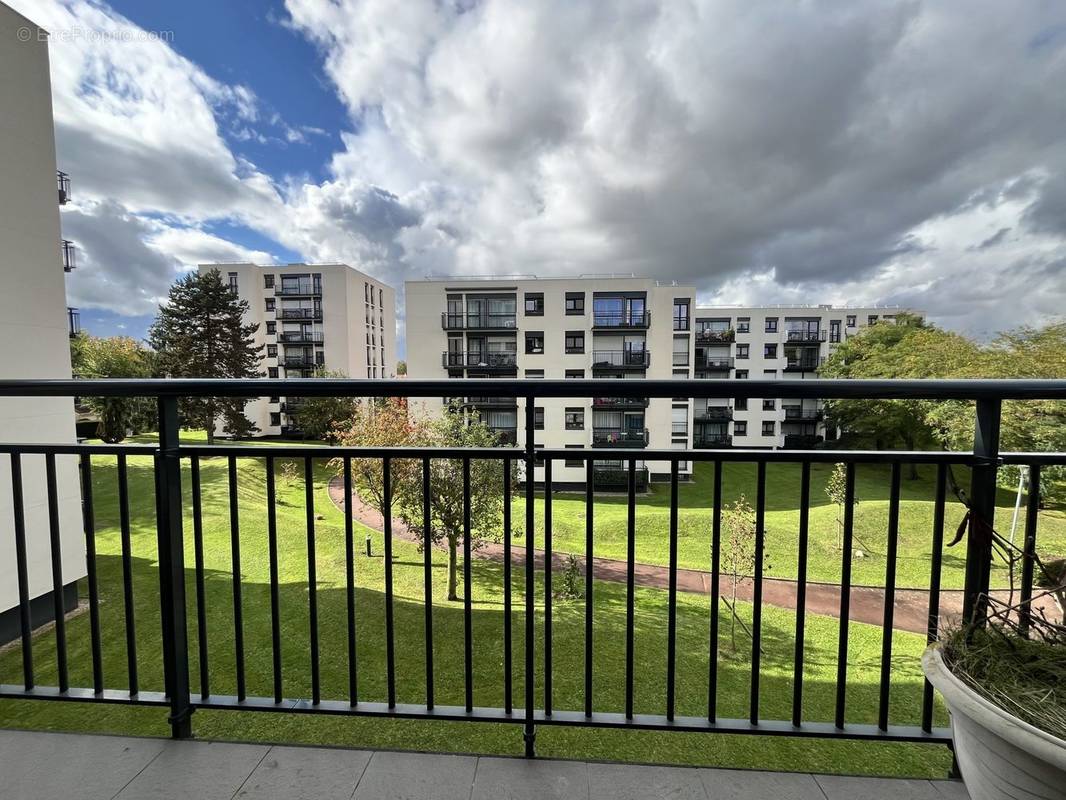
<point x="911" y="606"/>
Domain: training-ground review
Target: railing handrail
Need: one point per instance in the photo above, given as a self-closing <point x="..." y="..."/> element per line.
<point x="820" y="388"/>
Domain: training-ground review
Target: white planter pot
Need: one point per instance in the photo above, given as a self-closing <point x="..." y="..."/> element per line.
<point x="999" y="755"/>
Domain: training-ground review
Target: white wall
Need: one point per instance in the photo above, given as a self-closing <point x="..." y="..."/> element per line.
<point x="33" y="317"/>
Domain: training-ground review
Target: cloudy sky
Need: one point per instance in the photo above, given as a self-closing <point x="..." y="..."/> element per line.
<point x="879" y="152"/>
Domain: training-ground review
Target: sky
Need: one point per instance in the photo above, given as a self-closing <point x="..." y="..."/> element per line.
<point x="889" y="152"/>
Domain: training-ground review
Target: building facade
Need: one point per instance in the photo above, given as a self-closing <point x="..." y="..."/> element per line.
<point x="594" y="327"/>
<point x="313" y="317"/>
<point x="34" y="318"/>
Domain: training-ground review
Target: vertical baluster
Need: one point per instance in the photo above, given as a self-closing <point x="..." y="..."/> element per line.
<point x="427" y="556"/>
<point x="934" y="585"/>
<point x="529" y="729"/>
<point x="716" y="575"/>
<point x="390" y="634"/>
<point x="756" y="603"/>
<point x="671" y="623"/>
<point x="57" y="571"/>
<point x="1032" y="515"/>
<point x="238" y="605"/>
<point x="25" y="623"/>
<point x="89" y="525"/>
<point x="508" y="703"/>
<point x="590" y="563"/>
<point x="275" y="599"/>
<point x="468" y="629"/>
<point x="845" y="593"/>
<point x="547" y="587"/>
<point x="349" y="583"/>
<point x="312" y="579"/>
<point x="890" y="597"/>
<point x="198" y="557"/>
<point x="982" y="511"/>
<point x="127" y="573"/>
<point x="631" y="544"/>
<point x="801" y="592"/>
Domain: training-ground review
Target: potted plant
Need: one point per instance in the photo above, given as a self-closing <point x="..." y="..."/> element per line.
<point x="1004" y="685"/>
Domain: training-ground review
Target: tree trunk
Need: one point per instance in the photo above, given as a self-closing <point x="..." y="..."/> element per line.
<point x="452" y="567"/>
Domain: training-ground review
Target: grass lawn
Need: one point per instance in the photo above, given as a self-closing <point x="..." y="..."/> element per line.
<point x="782" y="523"/>
<point x="734" y="751"/>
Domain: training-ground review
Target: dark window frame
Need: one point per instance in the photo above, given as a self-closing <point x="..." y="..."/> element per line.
<point x="537" y="298"/>
<point x="577" y="413"/>
<point x="574" y="342"/>
<point x="574" y="304"/>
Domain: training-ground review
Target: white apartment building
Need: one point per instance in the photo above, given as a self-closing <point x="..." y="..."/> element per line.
<point x="313" y="317"/>
<point x="768" y="343"/>
<point x="586" y="327"/>
<point x="33" y="318"/>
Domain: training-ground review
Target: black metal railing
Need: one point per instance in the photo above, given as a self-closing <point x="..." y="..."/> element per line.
<point x="411" y="695"/>
<point x="802" y="364"/>
<point x="298" y="290"/>
<point x="704" y="441"/>
<point x="480" y="360"/>
<point x="69" y="255"/>
<point x="300" y="362"/>
<point x="479" y="322"/>
<point x="713" y="363"/>
<point x="713" y="413"/>
<point x="805" y="336"/>
<point x="621" y="319"/>
<point x="300" y="313"/>
<point x="63" y="182"/>
<point x="798" y="414"/>
<point x="624" y="359"/>
<point x="619" y="437"/>
<point x="708" y="336"/>
<point x="73" y="322"/>
<point x="620" y="403"/>
<point x="300" y="337"/>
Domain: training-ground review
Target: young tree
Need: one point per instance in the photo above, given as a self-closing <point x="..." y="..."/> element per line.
<point x="325" y="417"/>
<point x="401" y="367"/>
<point x="200" y="333"/>
<point x="738" y="522"/>
<point x="114" y="357"/>
<point x="836" y="489"/>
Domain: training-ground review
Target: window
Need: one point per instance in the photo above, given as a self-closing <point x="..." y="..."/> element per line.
<point x="534" y="342"/>
<point x="275" y="418"/>
<point x="575" y="419"/>
<point x="320" y="357"/>
<point x="575" y="341"/>
<point x="834" y="330"/>
<point x="272" y="328"/>
<point x="771" y="324"/>
<point x="679" y="421"/>
<point x="681" y="315"/>
<point x="870" y="320"/>
<point x="742" y="350"/>
<point x="538" y="418"/>
<point x="575" y="302"/>
<point x="268" y="281"/>
<point x="272" y="372"/>
<point x="270" y="304"/>
<point x="575" y="373"/>
<point x="233" y="281"/>
<point x="272" y="351"/>
<point x="743" y="324"/>
<point x="769" y="428"/>
<point x="381" y="298"/>
<point x="769" y="405"/>
<point x="769" y="351"/>
<point x="851" y="320"/>
<point x="573" y="462"/>
<point x="769" y="374"/>
<point x="534" y="373"/>
<point x="535" y="304"/>
<point x="740" y="428"/>
<point x="742" y="374"/>
<point x="681" y="351"/>
<point x="740" y="404"/>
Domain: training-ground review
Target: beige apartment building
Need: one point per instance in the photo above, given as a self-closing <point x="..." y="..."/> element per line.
<point x="586" y="327"/>
<point x="34" y="319"/>
<point x="313" y="317"/>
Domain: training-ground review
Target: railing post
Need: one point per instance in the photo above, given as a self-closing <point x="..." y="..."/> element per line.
<point x="982" y="511"/>
<point x="529" y="732"/>
<point x="172" y="571"/>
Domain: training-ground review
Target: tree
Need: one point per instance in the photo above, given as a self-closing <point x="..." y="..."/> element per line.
<point x="114" y="357"/>
<point x="836" y="489"/>
<point x="387" y="423"/>
<point x="200" y="333"/>
<point x="401" y="367"/>
<point x="738" y="521"/>
<point x="325" y="417"/>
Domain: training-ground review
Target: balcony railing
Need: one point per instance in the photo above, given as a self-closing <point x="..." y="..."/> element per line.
<point x="802" y="364"/>
<point x="797" y="414"/>
<point x="713" y="364"/>
<point x="620" y="403"/>
<point x="805" y="336"/>
<point x="63" y="182"/>
<point x="69" y="259"/>
<point x="285" y="665"/>
<point x="484" y="361"/>
<point x="624" y="359"/>
<point x="479" y="322"/>
<point x="298" y="290"/>
<point x="491" y="402"/>
<point x="300" y="313"/>
<point x="621" y="319"/>
<point x="299" y="362"/>
<point x="73" y="322"/>
<point x="709" y="441"/>
<point x="300" y="337"/>
<point x="708" y="336"/>
<point x="619" y="437"/>
<point x="713" y="413"/>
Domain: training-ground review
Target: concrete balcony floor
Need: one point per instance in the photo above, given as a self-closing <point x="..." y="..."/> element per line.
<point x="62" y="766"/>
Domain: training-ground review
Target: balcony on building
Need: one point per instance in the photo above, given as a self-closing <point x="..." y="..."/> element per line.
<point x="299" y="288"/>
<point x="621" y="359"/>
<point x="806" y="335"/>
<point x="299" y="362"/>
<point x="486" y="321"/>
<point x="620" y="403"/>
<point x="711" y="440"/>
<point x="300" y="337"/>
<point x="490" y="402"/>
<point x="619" y="437"/>
<point x="801" y="414"/>
<point x="712" y="413"/>
<point x="712" y="363"/>
<point x="68" y="250"/>
<point x="803" y="363"/>
<point x="300" y="313"/>
<point x="614" y="320"/>
<point x="715" y="335"/>
<point x="485" y="362"/>
<point x="73" y="321"/>
<point x="63" y="182"/>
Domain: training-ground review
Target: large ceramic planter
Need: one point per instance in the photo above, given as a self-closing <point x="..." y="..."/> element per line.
<point x="999" y="755"/>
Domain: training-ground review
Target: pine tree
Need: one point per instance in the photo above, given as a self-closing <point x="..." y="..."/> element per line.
<point x="200" y="333"/>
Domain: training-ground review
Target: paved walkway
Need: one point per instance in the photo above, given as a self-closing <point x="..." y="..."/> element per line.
<point x="64" y="766"/>
<point x="911" y="606"/>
